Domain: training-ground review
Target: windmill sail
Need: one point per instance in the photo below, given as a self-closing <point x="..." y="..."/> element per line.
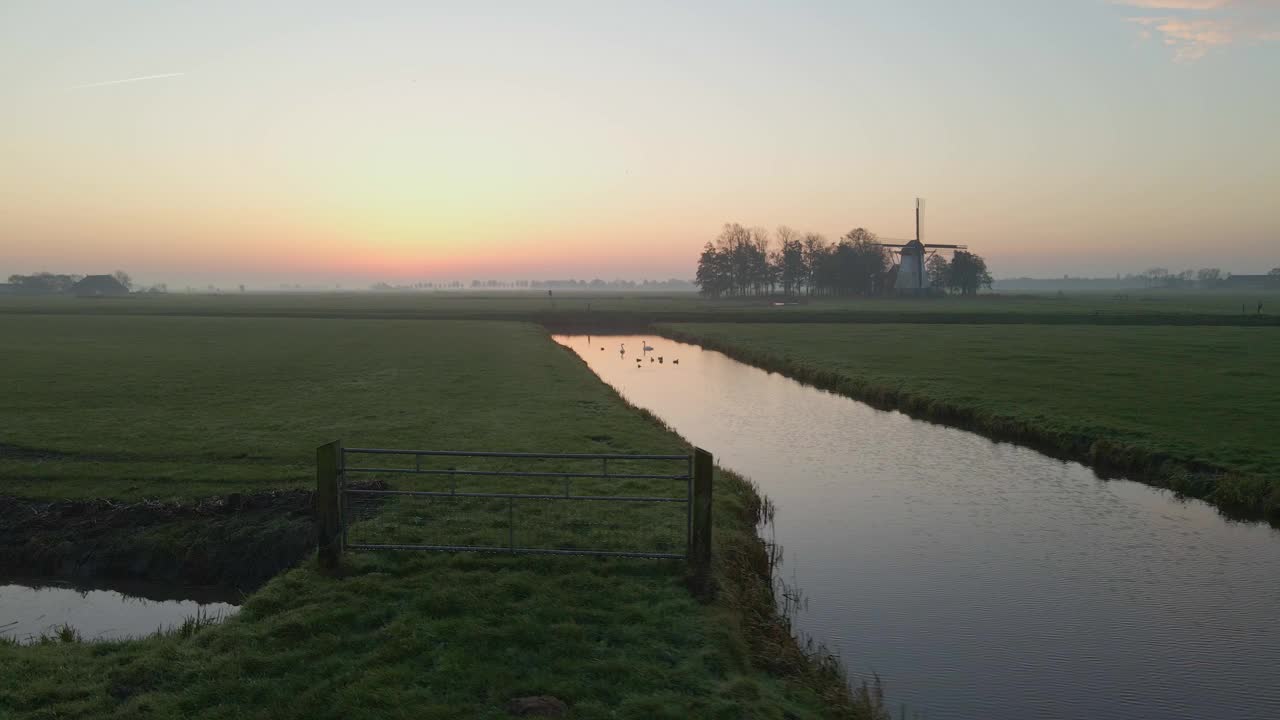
<point x="920" y="219"/>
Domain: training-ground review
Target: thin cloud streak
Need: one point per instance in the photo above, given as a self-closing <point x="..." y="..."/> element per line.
<point x="126" y="80"/>
<point x="1194" y="28"/>
<point x="1190" y="39"/>
<point x="1174" y="4"/>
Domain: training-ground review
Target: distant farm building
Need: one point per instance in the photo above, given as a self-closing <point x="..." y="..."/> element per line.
<point x="99" y="286"/>
<point x="1252" y="282"/>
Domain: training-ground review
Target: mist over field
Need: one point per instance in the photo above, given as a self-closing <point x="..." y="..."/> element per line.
<point x="820" y="360"/>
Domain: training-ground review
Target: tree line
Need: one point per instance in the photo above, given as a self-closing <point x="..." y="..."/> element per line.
<point x="1204" y="277"/>
<point x="750" y="261"/>
<point x="47" y="283"/>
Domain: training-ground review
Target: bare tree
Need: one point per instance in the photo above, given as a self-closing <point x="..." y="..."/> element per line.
<point x="788" y="260"/>
<point x="759" y="270"/>
<point x="815" y="246"/>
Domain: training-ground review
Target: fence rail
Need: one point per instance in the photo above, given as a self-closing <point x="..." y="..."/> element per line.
<point x="338" y="497"/>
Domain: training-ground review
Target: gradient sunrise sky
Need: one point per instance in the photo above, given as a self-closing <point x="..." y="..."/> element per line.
<point x="262" y="142"/>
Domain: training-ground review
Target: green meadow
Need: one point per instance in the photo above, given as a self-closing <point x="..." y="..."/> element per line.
<point x="180" y="398"/>
<point x="157" y="407"/>
<point x="161" y="407"/>
<point x="632" y="309"/>
<point x="1197" y="408"/>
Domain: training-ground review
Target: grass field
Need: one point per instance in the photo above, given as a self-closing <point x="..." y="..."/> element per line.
<point x="191" y="396"/>
<point x="637" y="308"/>
<point x="1132" y="397"/>
<point x="130" y="407"/>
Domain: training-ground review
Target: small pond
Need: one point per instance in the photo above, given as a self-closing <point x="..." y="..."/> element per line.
<point x="30" y="609"/>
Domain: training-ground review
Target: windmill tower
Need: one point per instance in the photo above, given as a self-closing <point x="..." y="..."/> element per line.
<point x="908" y="276"/>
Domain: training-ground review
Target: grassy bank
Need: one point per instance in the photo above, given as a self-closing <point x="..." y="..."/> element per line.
<point x="183" y="408"/>
<point x="1195" y="409"/>
<point x="236" y="543"/>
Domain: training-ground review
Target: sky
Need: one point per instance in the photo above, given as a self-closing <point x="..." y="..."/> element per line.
<point x="329" y="142"/>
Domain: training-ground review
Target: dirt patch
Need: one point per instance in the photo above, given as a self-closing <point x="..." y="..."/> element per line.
<point x="237" y="541"/>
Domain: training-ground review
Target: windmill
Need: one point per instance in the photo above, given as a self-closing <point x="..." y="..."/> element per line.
<point x="908" y="273"/>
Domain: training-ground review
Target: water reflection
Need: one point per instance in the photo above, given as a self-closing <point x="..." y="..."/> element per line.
<point x="29" y="611"/>
<point x="980" y="579"/>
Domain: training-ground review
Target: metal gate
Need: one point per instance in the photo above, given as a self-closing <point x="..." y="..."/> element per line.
<point x="517" y="502"/>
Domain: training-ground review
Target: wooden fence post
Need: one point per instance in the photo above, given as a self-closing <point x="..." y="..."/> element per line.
<point x="700" y="528"/>
<point x="328" y="503"/>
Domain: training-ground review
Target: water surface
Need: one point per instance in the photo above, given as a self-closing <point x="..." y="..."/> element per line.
<point x="29" y="610"/>
<point x="980" y="579"/>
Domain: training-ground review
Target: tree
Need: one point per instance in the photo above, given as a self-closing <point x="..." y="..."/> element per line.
<point x="123" y="278"/>
<point x="748" y="261"/>
<point x="761" y="274"/>
<point x="938" y="270"/>
<point x="861" y="262"/>
<point x="1156" y="276"/>
<point x="814" y="247"/>
<point x="734" y="241"/>
<point x="44" y="283"/>
<point x="1209" y="276"/>
<point x="715" y="271"/>
<point x="789" y="260"/>
<point x="738" y="263"/>
<point x="1274" y="271"/>
<point x="968" y="272"/>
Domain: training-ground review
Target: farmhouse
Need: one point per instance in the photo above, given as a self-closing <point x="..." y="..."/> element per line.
<point x="99" y="286"/>
<point x="1253" y="282"/>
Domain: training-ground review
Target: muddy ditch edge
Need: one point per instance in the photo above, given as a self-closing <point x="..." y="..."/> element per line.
<point x="237" y="541"/>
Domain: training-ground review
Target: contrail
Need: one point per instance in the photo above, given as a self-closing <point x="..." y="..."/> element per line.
<point x="127" y="80"/>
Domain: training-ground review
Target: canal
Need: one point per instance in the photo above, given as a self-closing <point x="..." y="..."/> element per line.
<point x="978" y="579"/>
